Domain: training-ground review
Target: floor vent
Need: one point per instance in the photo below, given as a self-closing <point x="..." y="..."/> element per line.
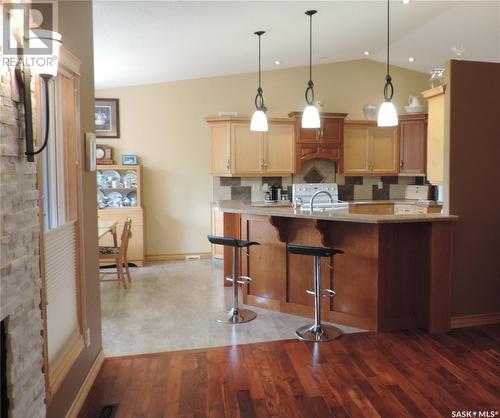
<point x="108" y="411"/>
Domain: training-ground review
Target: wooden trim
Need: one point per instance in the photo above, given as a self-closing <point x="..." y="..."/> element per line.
<point x="296" y="115"/>
<point x="212" y="119"/>
<point x="69" y="61"/>
<point x="176" y="256"/>
<point x="41" y="241"/>
<point x="436" y="91"/>
<point x="57" y="375"/>
<point x="463" y="321"/>
<point x="79" y="400"/>
<point x="441" y="258"/>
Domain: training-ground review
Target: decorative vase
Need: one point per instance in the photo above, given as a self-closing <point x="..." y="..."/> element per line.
<point x="370" y="111"/>
<point x="437" y="77"/>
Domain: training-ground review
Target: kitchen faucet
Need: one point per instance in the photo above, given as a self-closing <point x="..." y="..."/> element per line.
<point x="318" y="193"/>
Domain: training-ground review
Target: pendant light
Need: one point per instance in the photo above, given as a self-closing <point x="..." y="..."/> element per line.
<point x="387" y="115"/>
<point x="259" y="118"/>
<point x="310" y="116"/>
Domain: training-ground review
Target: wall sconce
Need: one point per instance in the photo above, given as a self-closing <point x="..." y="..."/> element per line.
<point x="44" y="65"/>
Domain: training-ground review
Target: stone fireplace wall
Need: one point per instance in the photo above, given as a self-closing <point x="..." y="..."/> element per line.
<point x="20" y="281"/>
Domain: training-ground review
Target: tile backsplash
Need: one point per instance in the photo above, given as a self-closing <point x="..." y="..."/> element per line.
<point x="315" y="171"/>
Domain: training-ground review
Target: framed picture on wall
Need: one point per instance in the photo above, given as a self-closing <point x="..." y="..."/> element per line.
<point x="130" y="159"/>
<point x="107" y="118"/>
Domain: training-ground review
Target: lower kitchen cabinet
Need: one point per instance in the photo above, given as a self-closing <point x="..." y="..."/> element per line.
<point x="372" y="208"/>
<point x="217" y="230"/>
<point x="237" y="151"/>
<point x="135" y="251"/>
<point x="370" y="150"/>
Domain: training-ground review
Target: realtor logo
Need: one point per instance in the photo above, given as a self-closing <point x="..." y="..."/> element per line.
<point x="24" y="26"/>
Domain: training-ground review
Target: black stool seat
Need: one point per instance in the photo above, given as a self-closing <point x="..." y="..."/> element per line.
<point x="313" y="251"/>
<point x="230" y="242"/>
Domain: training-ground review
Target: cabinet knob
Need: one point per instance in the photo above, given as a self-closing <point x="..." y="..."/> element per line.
<point x="401" y="163"/>
<point x="228" y="166"/>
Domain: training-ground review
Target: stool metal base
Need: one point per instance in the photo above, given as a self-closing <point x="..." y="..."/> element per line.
<point x="318" y="333"/>
<point x="239" y="316"/>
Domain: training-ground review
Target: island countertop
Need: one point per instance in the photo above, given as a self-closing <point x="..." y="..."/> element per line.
<point x="339" y="215"/>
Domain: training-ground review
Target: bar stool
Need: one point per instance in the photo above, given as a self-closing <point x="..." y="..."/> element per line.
<point x="234" y="315"/>
<point x="317" y="331"/>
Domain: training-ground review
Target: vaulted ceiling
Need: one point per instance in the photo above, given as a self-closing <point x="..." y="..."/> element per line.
<point x="143" y="42"/>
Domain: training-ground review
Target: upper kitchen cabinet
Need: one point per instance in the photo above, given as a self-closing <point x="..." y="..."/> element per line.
<point x="220" y="148"/>
<point x="323" y="142"/>
<point x="237" y="151"/>
<point x="246" y="149"/>
<point x="435" y="134"/>
<point x="279" y="148"/>
<point x="370" y="150"/>
<point x="412" y="144"/>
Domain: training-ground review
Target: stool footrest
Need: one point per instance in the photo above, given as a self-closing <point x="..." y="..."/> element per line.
<point x="244" y="280"/>
<point x="327" y="293"/>
<point x="240" y="279"/>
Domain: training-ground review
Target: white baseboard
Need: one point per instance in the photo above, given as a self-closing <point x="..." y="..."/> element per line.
<point x="463" y="321"/>
<point x="77" y="404"/>
<point x="179" y="256"/>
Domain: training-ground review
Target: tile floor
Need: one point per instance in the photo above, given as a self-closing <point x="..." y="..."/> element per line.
<point x="171" y="305"/>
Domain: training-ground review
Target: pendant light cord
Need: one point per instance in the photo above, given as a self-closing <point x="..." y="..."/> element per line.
<point x="388" y="28"/>
<point x="310" y="84"/>
<point x="388" y="87"/>
<point x="310" y="46"/>
<point x="259" y="61"/>
<point x="259" y="98"/>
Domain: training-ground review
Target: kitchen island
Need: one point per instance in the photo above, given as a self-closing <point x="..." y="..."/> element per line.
<point x="395" y="272"/>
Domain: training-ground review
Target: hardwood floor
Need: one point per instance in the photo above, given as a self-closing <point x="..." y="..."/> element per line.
<point x="405" y="374"/>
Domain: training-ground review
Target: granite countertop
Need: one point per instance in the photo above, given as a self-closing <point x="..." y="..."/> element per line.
<point x="341" y="215"/>
<point x="426" y="203"/>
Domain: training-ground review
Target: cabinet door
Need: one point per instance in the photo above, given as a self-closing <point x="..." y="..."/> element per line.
<point x="279" y="149"/>
<point x="220" y="148"/>
<point x="246" y="150"/>
<point x="435" y="140"/>
<point x="135" y="251"/>
<point x="306" y="135"/>
<point x="383" y="155"/>
<point x="356" y="145"/>
<point x="331" y="131"/>
<point x="413" y="135"/>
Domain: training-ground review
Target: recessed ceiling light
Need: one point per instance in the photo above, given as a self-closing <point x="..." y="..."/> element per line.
<point x="366" y="53"/>
<point x="406" y="1"/>
<point x="411" y="59"/>
<point x="277" y="62"/>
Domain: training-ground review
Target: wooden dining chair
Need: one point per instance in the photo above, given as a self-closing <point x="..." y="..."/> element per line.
<point x="118" y="254"/>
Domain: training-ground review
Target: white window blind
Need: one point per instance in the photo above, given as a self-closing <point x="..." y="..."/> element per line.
<point x="61" y="289"/>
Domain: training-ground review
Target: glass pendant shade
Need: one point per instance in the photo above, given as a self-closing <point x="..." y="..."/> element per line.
<point x="44" y="64"/>
<point x="310" y="117"/>
<point x="387" y="115"/>
<point x="259" y="121"/>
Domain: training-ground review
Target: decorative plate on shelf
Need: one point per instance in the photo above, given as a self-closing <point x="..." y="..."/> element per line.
<point x="110" y="175"/>
<point x="100" y="179"/>
<point x="130" y="179"/>
<point x="132" y="196"/>
<point x="115" y="199"/>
